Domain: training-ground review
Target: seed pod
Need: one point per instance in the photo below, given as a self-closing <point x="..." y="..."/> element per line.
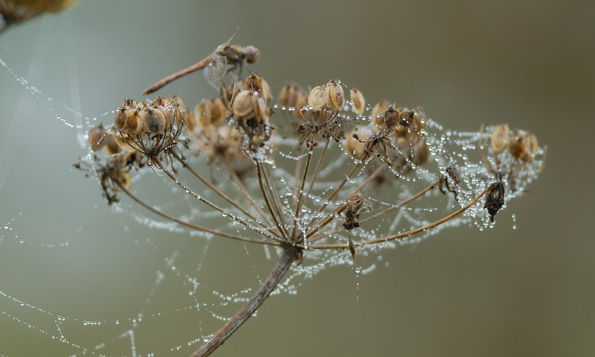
<point x="259" y="85"/>
<point x="216" y="110"/>
<point x="134" y="124"/>
<point x="284" y="96"/>
<point x="336" y="96"/>
<point x="130" y="103"/>
<point x="228" y="94"/>
<point x="531" y="141"/>
<point x="120" y="118"/>
<point x="420" y="152"/>
<point x="516" y="145"/>
<point x="261" y="110"/>
<point x="155" y="120"/>
<point x="122" y="143"/>
<point x="243" y="105"/>
<point x="301" y="100"/>
<point x="494" y="199"/>
<point x="391" y="118"/>
<point x="358" y="101"/>
<point x="190" y="122"/>
<point x="499" y="138"/>
<point x="111" y="144"/>
<point x="406" y="118"/>
<point x="318" y="97"/>
<point x="96" y="137"/>
<point x="353" y="146"/>
<point x="252" y="54"/>
<point x="378" y="113"/>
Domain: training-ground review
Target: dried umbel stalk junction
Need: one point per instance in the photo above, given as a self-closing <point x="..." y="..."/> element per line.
<point x="316" y="174"/>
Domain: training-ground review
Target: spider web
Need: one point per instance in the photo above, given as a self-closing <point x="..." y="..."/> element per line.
<point x="79" y="277"/>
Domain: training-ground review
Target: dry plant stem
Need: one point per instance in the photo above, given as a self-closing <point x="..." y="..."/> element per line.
<point x="317" y="170"/>
<point x="268" y="177"/>
<point x="289" y="255"/>
<point x="191" y="225"/>
<point x="355" y="168"/>
<point x="386" y="211"/>
<point x="266" y="200"/>
<point x="298" y="169"/>
<point x="405" y="234"/>
<point x="298" y="206"/>
<point x="215" y="189"/>
<point x="195" y="67"/>
<point x="403" y="203"/>
<point x="249" y="198"/>
<point x="212" y="205"/>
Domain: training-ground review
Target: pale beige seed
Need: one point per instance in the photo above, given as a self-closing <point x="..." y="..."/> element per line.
<point x="243" y="105"/>
<point x="499" y="138"/>
<point x="378" y="113"/>
<point x="358" y="102"/>
<point x="336" y="96"/>
<point x="318" y="98"/>
<point x="96" y="137"/>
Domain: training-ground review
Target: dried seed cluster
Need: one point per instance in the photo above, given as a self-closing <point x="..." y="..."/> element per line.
<point x="150" y="128"/>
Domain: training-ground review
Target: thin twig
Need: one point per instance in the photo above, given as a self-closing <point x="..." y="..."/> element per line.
<point x="215" y="189"/>
<point x="386" y="211"/>
<point x="172" y="77"/>
<point x="266" y="200"/>
<point x="405" y="234"/>
<point x="212" y="205"/>
<point x="191" y="225"/>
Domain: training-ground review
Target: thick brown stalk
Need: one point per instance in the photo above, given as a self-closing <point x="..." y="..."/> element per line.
<point x="289" y="255"/>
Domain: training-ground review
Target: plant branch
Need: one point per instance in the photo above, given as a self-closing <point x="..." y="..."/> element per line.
<point x="191" y="225"/>
<point x="405" y="234"/>
<point x="289" y="255"/>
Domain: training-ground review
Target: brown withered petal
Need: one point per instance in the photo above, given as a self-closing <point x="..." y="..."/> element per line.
<point x="499" y="138"/>
<point x="336" y="96"/>
<point x="318" y="97"/>
<point x="358" y="101"/>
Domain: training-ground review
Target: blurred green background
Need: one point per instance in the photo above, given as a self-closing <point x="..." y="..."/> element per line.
<point x="523" y="292"/>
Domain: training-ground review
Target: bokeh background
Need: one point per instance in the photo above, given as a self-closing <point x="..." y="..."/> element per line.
<point x="527" y="291"/>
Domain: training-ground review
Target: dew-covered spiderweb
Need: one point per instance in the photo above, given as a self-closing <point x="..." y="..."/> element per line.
<point x="179" y="283"/>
